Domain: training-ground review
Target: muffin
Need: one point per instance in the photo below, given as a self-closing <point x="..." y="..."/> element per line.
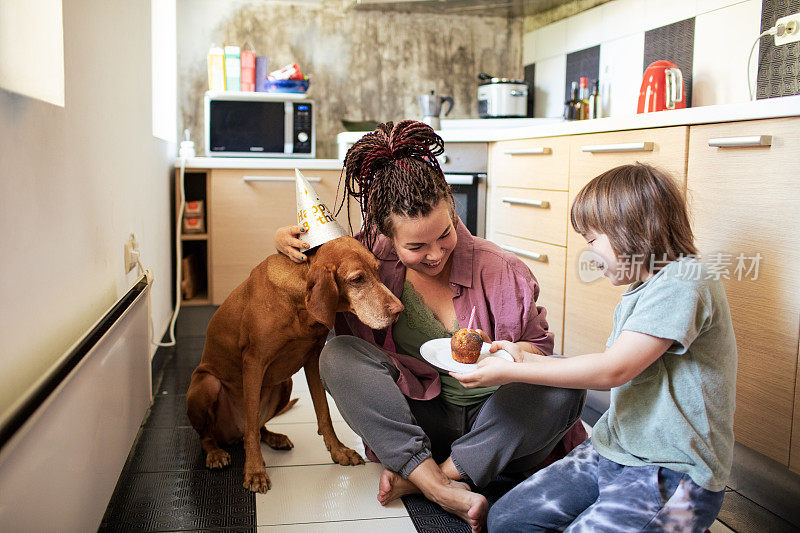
<point x="466" y="346"/>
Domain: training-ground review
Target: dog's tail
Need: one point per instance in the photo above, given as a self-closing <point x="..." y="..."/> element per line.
<point x="287" y="406"/>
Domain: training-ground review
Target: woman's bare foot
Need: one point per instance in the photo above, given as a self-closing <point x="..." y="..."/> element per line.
<point x="392" y="486"/>
<point x="453" y="496"/>
<point x="456" y="498"/>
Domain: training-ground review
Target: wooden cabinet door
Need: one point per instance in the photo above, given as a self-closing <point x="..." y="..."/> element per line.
<point x="547" y="263"/>
<point x="745" y="200"/>
<point x="247" y="206"/>
<point x="589" y="305"/>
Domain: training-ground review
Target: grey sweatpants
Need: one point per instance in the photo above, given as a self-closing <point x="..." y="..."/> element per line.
<point x="512" y="431"/>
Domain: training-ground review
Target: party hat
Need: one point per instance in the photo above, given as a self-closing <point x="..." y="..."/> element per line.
<point x="314" y="215"/>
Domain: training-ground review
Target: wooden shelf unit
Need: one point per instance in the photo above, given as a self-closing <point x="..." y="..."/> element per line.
<point x="197" y="186"/>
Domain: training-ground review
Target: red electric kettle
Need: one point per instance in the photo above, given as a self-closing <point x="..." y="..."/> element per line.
<point x="662" y="88"/>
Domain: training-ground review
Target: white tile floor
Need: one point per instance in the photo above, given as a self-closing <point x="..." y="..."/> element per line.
<point x="312" y="494"/>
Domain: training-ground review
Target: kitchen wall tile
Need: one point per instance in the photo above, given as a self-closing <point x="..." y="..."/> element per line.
<point x="706" y="6"/>
<point x="584" y="30"/>
<point x="582" y="63"/>
<point x="673" y="42"/>
<point x="660" y="13"/>
<point x="778" y="67"/>
<point x="529" y="48"/>
<point x="551" y="40"/>
<point x="621" y="74"/>
<point x="621" y="18"/>
<point x="549" y="87"/>
<point x="717" y="81"/>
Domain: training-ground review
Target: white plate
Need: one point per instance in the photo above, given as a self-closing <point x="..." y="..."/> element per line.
<point x="437" y="352"/>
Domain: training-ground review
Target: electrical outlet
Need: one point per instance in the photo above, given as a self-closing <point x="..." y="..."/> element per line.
<point x="788" y="29"/>
<point x="131" y="253"/>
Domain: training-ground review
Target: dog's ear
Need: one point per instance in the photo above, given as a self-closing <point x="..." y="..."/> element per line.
<point x="322" y="295"/>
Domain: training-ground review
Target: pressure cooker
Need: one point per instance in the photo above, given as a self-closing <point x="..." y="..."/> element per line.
<point x="502" y="97"/>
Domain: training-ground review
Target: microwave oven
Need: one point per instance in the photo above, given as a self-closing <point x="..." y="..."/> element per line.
<point x="254" y="124"/>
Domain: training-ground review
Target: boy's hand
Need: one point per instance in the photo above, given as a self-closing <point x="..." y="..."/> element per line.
<point x="288" y="243"/>
<point x="517" y="353"/>
<point x="490" y="371"/>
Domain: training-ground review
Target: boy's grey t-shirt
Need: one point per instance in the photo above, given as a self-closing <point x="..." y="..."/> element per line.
<point x="678" y="413"/>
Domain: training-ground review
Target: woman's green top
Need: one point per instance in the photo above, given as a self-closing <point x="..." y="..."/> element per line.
<point x="417" y="325"/>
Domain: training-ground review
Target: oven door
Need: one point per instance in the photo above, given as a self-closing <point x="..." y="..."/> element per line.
<point x="469" y="193"/>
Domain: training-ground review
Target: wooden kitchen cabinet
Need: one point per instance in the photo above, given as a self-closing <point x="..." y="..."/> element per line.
<point x="247" y="207"/>
<point x="744" y="200"/>
<point x="547" y="262"/>
<point x="589" y="307"/>
<point x="527" y="205"/>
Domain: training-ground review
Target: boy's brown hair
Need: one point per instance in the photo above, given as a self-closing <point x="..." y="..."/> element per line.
<point x="641" y="210"/>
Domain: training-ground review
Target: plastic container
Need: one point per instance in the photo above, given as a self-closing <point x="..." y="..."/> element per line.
<point x="286" y="86"/>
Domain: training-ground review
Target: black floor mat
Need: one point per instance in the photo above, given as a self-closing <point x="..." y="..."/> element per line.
<point x="165" y="485"/>
<point x="431" y="518"/>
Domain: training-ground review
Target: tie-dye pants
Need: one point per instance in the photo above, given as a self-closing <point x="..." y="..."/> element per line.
<point x="584" y="491"/>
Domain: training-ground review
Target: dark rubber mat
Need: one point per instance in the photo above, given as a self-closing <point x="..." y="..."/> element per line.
<point x="431" y="518"/>
<point x="165" y="485"/>
<point x="180" y="501"/>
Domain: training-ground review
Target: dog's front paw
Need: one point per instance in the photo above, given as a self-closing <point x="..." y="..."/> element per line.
<point x="217" y="459"/>
<point x="346" y="457"/>
<point x="276" y="441"/>
<point x="257" y="480"/>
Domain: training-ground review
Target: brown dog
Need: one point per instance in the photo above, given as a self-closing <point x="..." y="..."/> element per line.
<point x="270" y="326"/>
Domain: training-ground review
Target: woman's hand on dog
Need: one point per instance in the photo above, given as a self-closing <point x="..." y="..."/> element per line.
<point x="288" y="243"/>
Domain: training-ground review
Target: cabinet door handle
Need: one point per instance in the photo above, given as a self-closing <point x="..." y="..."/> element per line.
<point x="542" y="258"/>
<point x="538" y="150"/>
<point x="621" y="147"/>
<point x="276" y="179"/>
<point x="741" y="142"/>
<point x="542" y="204"/>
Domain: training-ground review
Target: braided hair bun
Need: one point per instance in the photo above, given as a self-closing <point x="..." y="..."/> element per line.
<point x="393" y="170"/>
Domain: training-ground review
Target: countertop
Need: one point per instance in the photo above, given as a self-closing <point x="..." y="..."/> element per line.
<point x="261" y="163"/>
<point x="488" y="130"/>
<point x="477" y="130"/>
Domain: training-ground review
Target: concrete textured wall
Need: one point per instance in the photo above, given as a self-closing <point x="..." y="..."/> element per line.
<point x="363" y="65"/>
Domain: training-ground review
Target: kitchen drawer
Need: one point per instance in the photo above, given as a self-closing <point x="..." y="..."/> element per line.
<point x="547" y="262"/>
<point x="247" y="206"/>
<point x="593" y="154"/>
<point x="530" y="163"/>
<point x="530" y="213"/>
<point x="744" y="200"/>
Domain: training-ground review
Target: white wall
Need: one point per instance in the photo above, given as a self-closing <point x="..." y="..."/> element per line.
<point x="724" y="32"/>
<point x="74" y="183"/>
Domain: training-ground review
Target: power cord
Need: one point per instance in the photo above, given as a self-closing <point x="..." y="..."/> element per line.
<point x="135" y="254"/>
<point x="772" y="31"/>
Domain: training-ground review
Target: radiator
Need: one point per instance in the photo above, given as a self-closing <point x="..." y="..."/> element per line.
<point x="65" y="442"/>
